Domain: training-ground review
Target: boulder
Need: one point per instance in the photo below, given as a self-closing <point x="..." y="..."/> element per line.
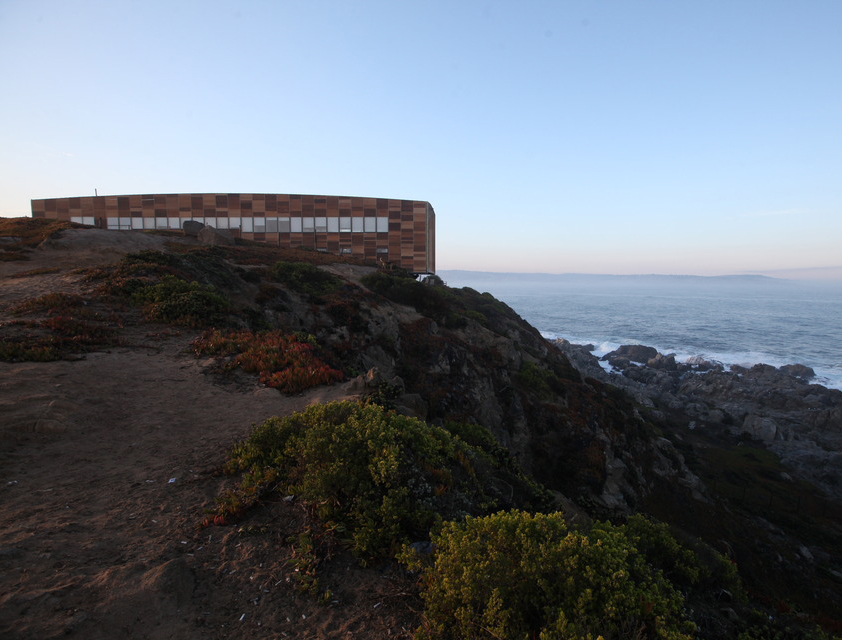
<point x="760" y="427"/>
<point x="634" y="352"/>
<point x="661" y="361"/>
<point x="191" y="227"/>
<point x="212" y="236"/>
<point x="799" y="371"/>
<point x="619" y="362"/>
<point x="700" y="364"/>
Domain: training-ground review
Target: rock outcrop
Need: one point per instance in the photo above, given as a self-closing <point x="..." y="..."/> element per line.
<point x="800" y="421"/>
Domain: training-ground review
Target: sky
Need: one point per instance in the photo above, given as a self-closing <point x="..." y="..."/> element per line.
<point x="598" y="136"/>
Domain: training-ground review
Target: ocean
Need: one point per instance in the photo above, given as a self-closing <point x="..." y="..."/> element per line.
<point x="742" y="320"/>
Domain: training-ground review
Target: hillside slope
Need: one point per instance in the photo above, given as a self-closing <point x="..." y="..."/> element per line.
<point x="111" y="450"/>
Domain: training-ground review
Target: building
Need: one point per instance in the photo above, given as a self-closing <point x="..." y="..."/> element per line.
<point x="400" y="232"/>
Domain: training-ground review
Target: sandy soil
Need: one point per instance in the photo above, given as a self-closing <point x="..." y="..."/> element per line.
<point x="107" y="464"/>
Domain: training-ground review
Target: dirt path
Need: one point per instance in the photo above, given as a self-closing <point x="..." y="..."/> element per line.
<point x="106" y="466"/>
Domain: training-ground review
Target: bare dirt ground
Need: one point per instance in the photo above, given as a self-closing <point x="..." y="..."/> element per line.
<point x="107" y="464"/>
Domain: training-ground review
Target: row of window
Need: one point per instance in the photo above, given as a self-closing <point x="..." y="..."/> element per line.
<point x="254" y="225"/>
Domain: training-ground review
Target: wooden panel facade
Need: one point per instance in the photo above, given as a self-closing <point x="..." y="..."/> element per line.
<point x="400" y="232"/>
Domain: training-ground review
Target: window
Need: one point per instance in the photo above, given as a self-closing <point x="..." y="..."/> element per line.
<point x="175" y="223"/>
<point x="161" y="223"/>
<point x="283" y="225"/>
<point x="345" y="250"/>
<point x="248" y="225"/>
<point x="210" y="221"/>
<point x="137" y="223"/>
<point x="113" y="223"/>
<point x="344" y="224"/>
<point x="321" y="224"/>
<point x="308" y="224"/>
<point x="234" y="223"/>
<point x="259" y="225"/>
<point x="295" y="225"/>
<point x="271" y="225"/>
<point x="382" y="224"/>
<point x="356" y="225"/>
<point x="382" y="250"/>
<point x="333" y="225"/>
<point x="370" y="224"/>
<point x="222" y="223"/>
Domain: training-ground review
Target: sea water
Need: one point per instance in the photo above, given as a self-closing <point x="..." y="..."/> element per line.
<point x="742" y="320"/>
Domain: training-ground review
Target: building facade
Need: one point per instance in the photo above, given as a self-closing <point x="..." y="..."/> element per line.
<point x="400" y="232"/>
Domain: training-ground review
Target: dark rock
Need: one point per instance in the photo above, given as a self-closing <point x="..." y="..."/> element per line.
<point x="661" y="361"/>
<point x="799" y="421"/>
<point x="191" y="227"/>
<point x="634" y="352"/>
<point x="760" y="427"/>
<point x="763" y="371"/>
<point x="211" y="236"/>
<point x="798" y="371"/>
<point x="619" y="362"/>
<point x="700" y="364"/>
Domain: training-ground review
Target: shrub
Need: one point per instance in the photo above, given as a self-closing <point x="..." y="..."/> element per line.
<point x="518" y="575"/>
<point x="285" y="362"/>
<point x="50" y="303"/>
<point x="304" y="278"/>
<point x="181" y="302"/>
<point x="540" y="381"/>
<point x="75" y="332"/>
<point x="380" y="477"/>
<point x="654" y="540"/>
<point x="67" y="335"/>
<point x="29" y="350"/>
<point x="403" y="289"/>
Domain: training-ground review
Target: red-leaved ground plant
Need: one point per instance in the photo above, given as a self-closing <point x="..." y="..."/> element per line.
<point x="283" y="361"/>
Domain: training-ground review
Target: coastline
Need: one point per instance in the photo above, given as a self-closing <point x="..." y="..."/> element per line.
<point x="781" y="407"/>
<point x="824" y="376"/>
<point x="735" y="320"/>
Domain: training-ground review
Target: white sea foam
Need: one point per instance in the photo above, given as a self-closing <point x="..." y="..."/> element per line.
<point x="830" y="377"/>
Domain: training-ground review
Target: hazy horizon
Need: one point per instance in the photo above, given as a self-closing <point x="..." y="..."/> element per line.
<point x="617" y="138"/>
<point x="824" y="274"/>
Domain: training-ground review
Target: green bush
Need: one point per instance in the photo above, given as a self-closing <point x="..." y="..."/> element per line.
<point x="304" y="278"/>
<point x="654" y="540"/>
<point x="543" y="382"/>
<point x="180" y="302"/>
<point x="426" y="299"/>
<point x="515" y="575"/>
<point x="380" y="477"/>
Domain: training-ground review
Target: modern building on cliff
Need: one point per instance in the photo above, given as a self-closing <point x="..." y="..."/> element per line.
<point x="400" y="232"/>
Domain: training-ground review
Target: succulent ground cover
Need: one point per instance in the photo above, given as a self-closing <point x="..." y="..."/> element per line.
<point x="286" y="362"/>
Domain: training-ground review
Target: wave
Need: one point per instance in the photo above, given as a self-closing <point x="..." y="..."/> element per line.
<point x="827" y="376"/>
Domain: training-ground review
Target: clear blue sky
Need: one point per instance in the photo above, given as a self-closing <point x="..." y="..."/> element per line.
<point x="601" y="136"/>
